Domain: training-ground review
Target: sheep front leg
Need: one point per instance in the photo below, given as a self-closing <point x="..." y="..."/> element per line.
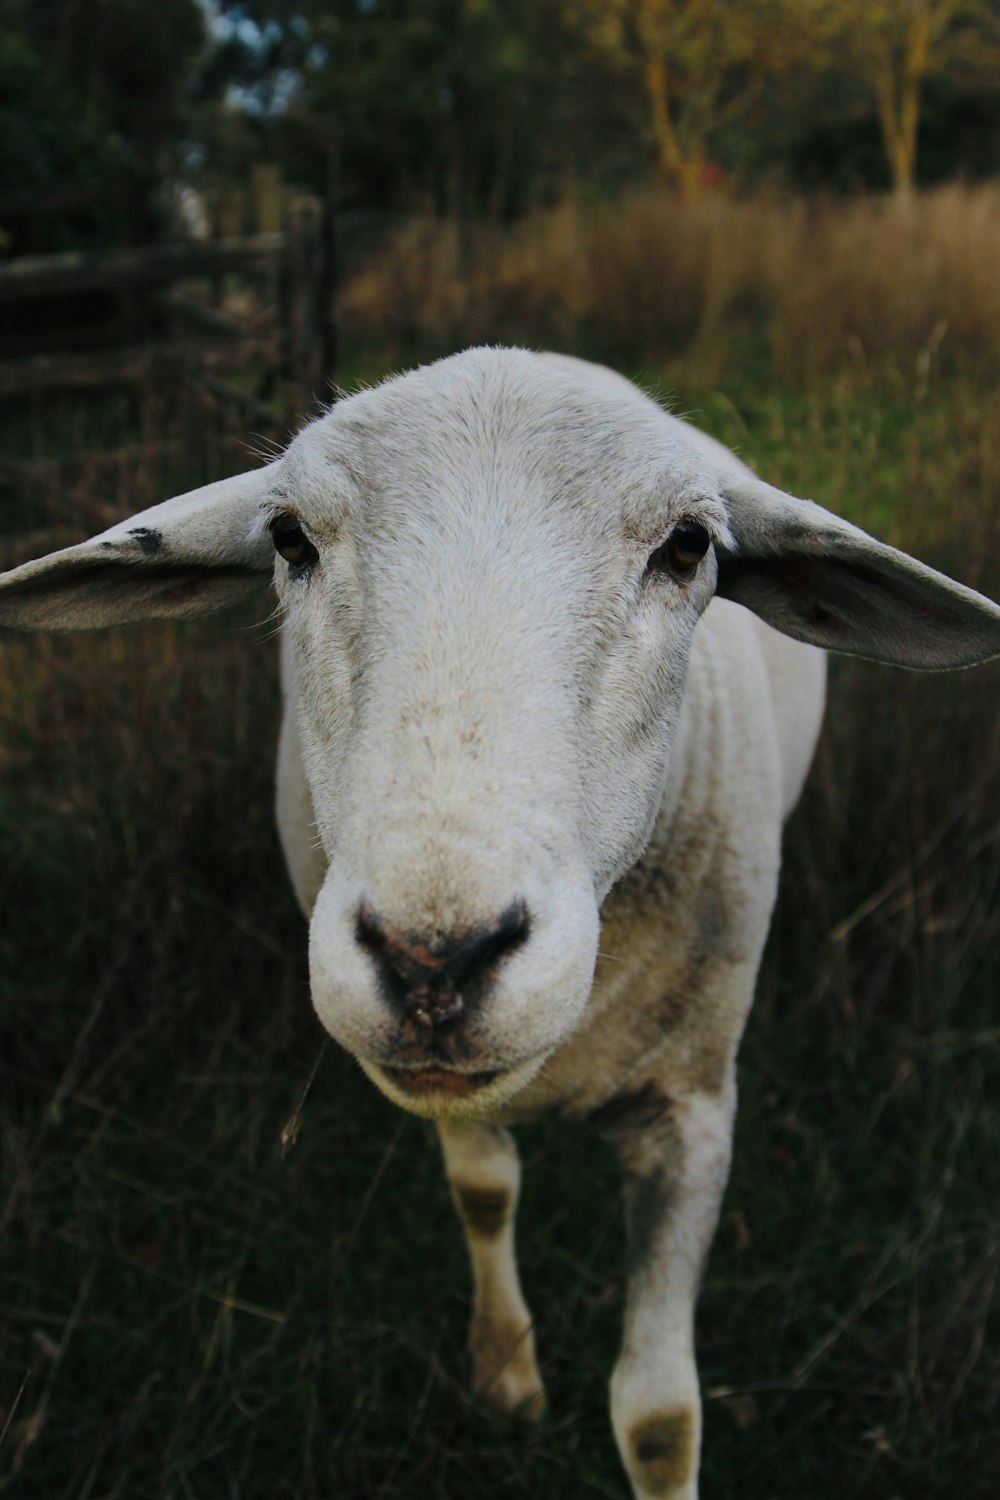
<point x="675" y="1175"/>
<point x="484" y="1174"/>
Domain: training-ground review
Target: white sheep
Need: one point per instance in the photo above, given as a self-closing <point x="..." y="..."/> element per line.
<point x="525" y="704"/>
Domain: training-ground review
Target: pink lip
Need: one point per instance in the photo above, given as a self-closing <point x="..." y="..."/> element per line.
<point x="438" y="1081"/>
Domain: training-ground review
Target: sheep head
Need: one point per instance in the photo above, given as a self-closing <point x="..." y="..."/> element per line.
<point x="490" y="572"/>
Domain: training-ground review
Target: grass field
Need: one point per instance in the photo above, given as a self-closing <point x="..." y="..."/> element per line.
<point x="185" y="1311"/>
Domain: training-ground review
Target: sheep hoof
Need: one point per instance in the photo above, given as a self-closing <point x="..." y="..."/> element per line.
<point x="506" y="1374"/>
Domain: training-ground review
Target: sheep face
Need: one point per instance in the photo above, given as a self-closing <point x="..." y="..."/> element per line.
<point x="490" y="585"/>
<point x="491" y="571"/>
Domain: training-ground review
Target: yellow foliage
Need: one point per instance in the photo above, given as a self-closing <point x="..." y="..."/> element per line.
<point x="829" y="285"/>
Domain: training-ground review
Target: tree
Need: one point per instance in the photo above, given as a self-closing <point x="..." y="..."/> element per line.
<point x="894" y="46"/>
<point x="128" y="61"/>
<point x="701" y="64"/>
<point x="92" y="93"/>
<point x="471" y="106"/>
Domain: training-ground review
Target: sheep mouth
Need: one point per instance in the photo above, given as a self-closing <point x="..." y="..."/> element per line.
<point x="421" y="1082"/>
<point x="437" y="1092"/>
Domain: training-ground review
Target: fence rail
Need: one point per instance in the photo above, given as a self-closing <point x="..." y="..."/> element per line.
<point x="79" y="271"/>
<point x="271" y="364"/>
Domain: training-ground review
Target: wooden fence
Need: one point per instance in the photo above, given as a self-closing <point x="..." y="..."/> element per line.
<point x="146" y="318"/>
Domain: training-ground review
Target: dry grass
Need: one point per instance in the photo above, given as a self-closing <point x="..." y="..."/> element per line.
<point x="822" y="286"/>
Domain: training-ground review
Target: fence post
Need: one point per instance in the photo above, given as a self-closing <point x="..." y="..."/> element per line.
<point x="331" y="256"/>
<point x="266" y="189"/>
<point x="308" y="316"/>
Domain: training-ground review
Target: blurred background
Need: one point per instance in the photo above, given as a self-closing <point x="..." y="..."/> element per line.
<point x="227" y="1268"/>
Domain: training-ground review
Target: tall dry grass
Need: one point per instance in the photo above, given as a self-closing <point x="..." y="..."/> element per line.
<point x="824" y="284"/>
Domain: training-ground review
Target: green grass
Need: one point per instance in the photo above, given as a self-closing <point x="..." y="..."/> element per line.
<point x="184" y="1313"/>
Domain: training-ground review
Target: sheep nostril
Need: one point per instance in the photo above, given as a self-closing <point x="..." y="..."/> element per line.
<point x="432" y="981"/>
<point x="368" y="932"/>
<point x="510" y="933"/>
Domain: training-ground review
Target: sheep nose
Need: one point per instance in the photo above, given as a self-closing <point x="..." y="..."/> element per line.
<point x="433" y="982"/>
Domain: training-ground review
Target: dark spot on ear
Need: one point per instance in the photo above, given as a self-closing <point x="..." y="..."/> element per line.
<point x="484" y="1210"/>
<point x="109" y="546"/>
<point x="663" y="1444"/>
<point x="149" y="539"/>
<point x="637" y="1109"/>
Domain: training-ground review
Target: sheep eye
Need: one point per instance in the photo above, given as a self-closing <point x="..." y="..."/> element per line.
<point x="683" y="550"/>
<point x="291" y="542"/>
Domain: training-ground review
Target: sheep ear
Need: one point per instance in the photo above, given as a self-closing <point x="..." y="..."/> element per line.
<point x="190" y="555"/>
<point x="819" y="579"/>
